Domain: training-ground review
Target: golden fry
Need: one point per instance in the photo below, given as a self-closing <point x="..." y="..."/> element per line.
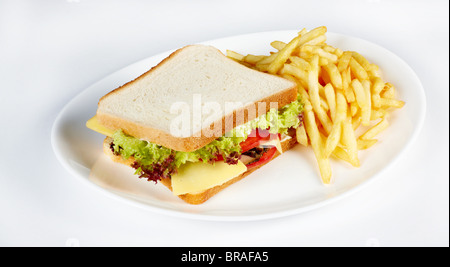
<point x="313" y="83"/>
<point x="344" y="61"/>
<point x="365" y="144"/>
<point x="377" y="114"/>
<point x="375" y="130"/>
<point x="362" y="98"/>
<point x="334" y="74"/>
<point x="349" y="141"/>
<point x="312" y="34"/>
<point x="296" y="72"/>
<point x="267" y="59"/>
<point x="388" y="91"/>
<point x="365" y="120"/>
<point x="316" y="143"/>
<point x="362" y="61"/>
<point x="331" y="100"/>
<point x="235" y="55"/>
<point x="314" y="96"/>
<point x="357" y="70"/>
<point x="317" y="41"/>
<point x="302" y="138"/>
<point x="389" y="102"/>
<point x="300" y="62"/>
<point x="253" y="59"/>
<point x="341" y="107"/>
<point x="333" y="139"/>
<point x="283" y="55"/>
<point x="341" y="154"/>
<point x="346" y="80"/>
<point x="278" y="45"/>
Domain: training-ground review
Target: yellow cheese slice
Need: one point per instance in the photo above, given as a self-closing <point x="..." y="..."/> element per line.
<point x="198" y="177"/>
<point x="94" y="125"/>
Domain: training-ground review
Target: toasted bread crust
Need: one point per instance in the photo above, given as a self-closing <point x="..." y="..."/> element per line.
<point x="198" y="140"/>
<point x="199" y="198"/>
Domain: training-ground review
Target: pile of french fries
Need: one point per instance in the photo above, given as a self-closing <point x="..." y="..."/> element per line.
<point x="346" y="101"/>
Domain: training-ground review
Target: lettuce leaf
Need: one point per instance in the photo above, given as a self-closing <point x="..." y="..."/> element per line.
<point x="150" y="156"/>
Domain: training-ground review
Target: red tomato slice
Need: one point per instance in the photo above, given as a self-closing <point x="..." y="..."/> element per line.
<point x="255" y="138"/>
<point x="264" y="158"/>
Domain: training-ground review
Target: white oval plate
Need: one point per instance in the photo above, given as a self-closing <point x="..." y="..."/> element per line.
<point x="288" y="185"/>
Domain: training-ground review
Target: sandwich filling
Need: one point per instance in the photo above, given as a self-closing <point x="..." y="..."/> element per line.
<point x="155" y="162"/>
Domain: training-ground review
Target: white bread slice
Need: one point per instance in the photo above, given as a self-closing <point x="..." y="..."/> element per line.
<point x="142" y="107"/>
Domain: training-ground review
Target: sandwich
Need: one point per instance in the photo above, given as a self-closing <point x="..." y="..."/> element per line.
<point x="198" y="122"/>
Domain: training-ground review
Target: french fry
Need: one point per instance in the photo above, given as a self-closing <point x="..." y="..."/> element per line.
<point x="253" y="59"/>
<point x="365" y="120"/>
<point x="313" y="84"/>
<point x="344" y="61"/>
<point x="356" y="122"/>
<point x="341" y="107"/>
<point x="262" y="67"/>
<point x="278" y="45"/>
<point x="300" y="62"/>
<point x="340" y="153"/>
<point x="365" y="144"/>
<point x="302" y="31"/>
<point x="389" y="102"/>
<point x="357" y="70"/>
<point x="323" y="62"/>
<point x="333" y="139"/>
<point x="334" y="74"/>
<point x="377" y="87"/>
<point x="314" y="49"/>
<point x="346" y="80"/>
<point x="354" y="109"/>
<point x="324" y="104"/>
<point x="362" y="61"/>
<point x="376" y="103"/>
<point x="317" y="41"/>
<point x="296" y="72"/>
<point x="375" y="130"/>
<point x="349" y="141"/>
<point x="362" y="100"/>
<point x="316" y="144"/>
<point x="377" y="114"/>
<point x="374" y="71"/>
<point x="283" y="55"/>
<point x="290" y="77"/>
<point x="302" y="138"/>
<point x="328" y="48"/>
<point x="267" y="59"/>
<point x="331" y="99"/>
<point x="313" y="91"/>
<point x="388" y="91"/>
<point x="312" y="34"/>
<point x="304" y="95"/>
<point x="338" y="52"/>
<point x="235" y="55"/>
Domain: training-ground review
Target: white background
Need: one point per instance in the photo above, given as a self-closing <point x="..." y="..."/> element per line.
<point x="51" y="50"/>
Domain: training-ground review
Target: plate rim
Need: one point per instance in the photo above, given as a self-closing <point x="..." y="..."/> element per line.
<point x="254" y="217"/>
